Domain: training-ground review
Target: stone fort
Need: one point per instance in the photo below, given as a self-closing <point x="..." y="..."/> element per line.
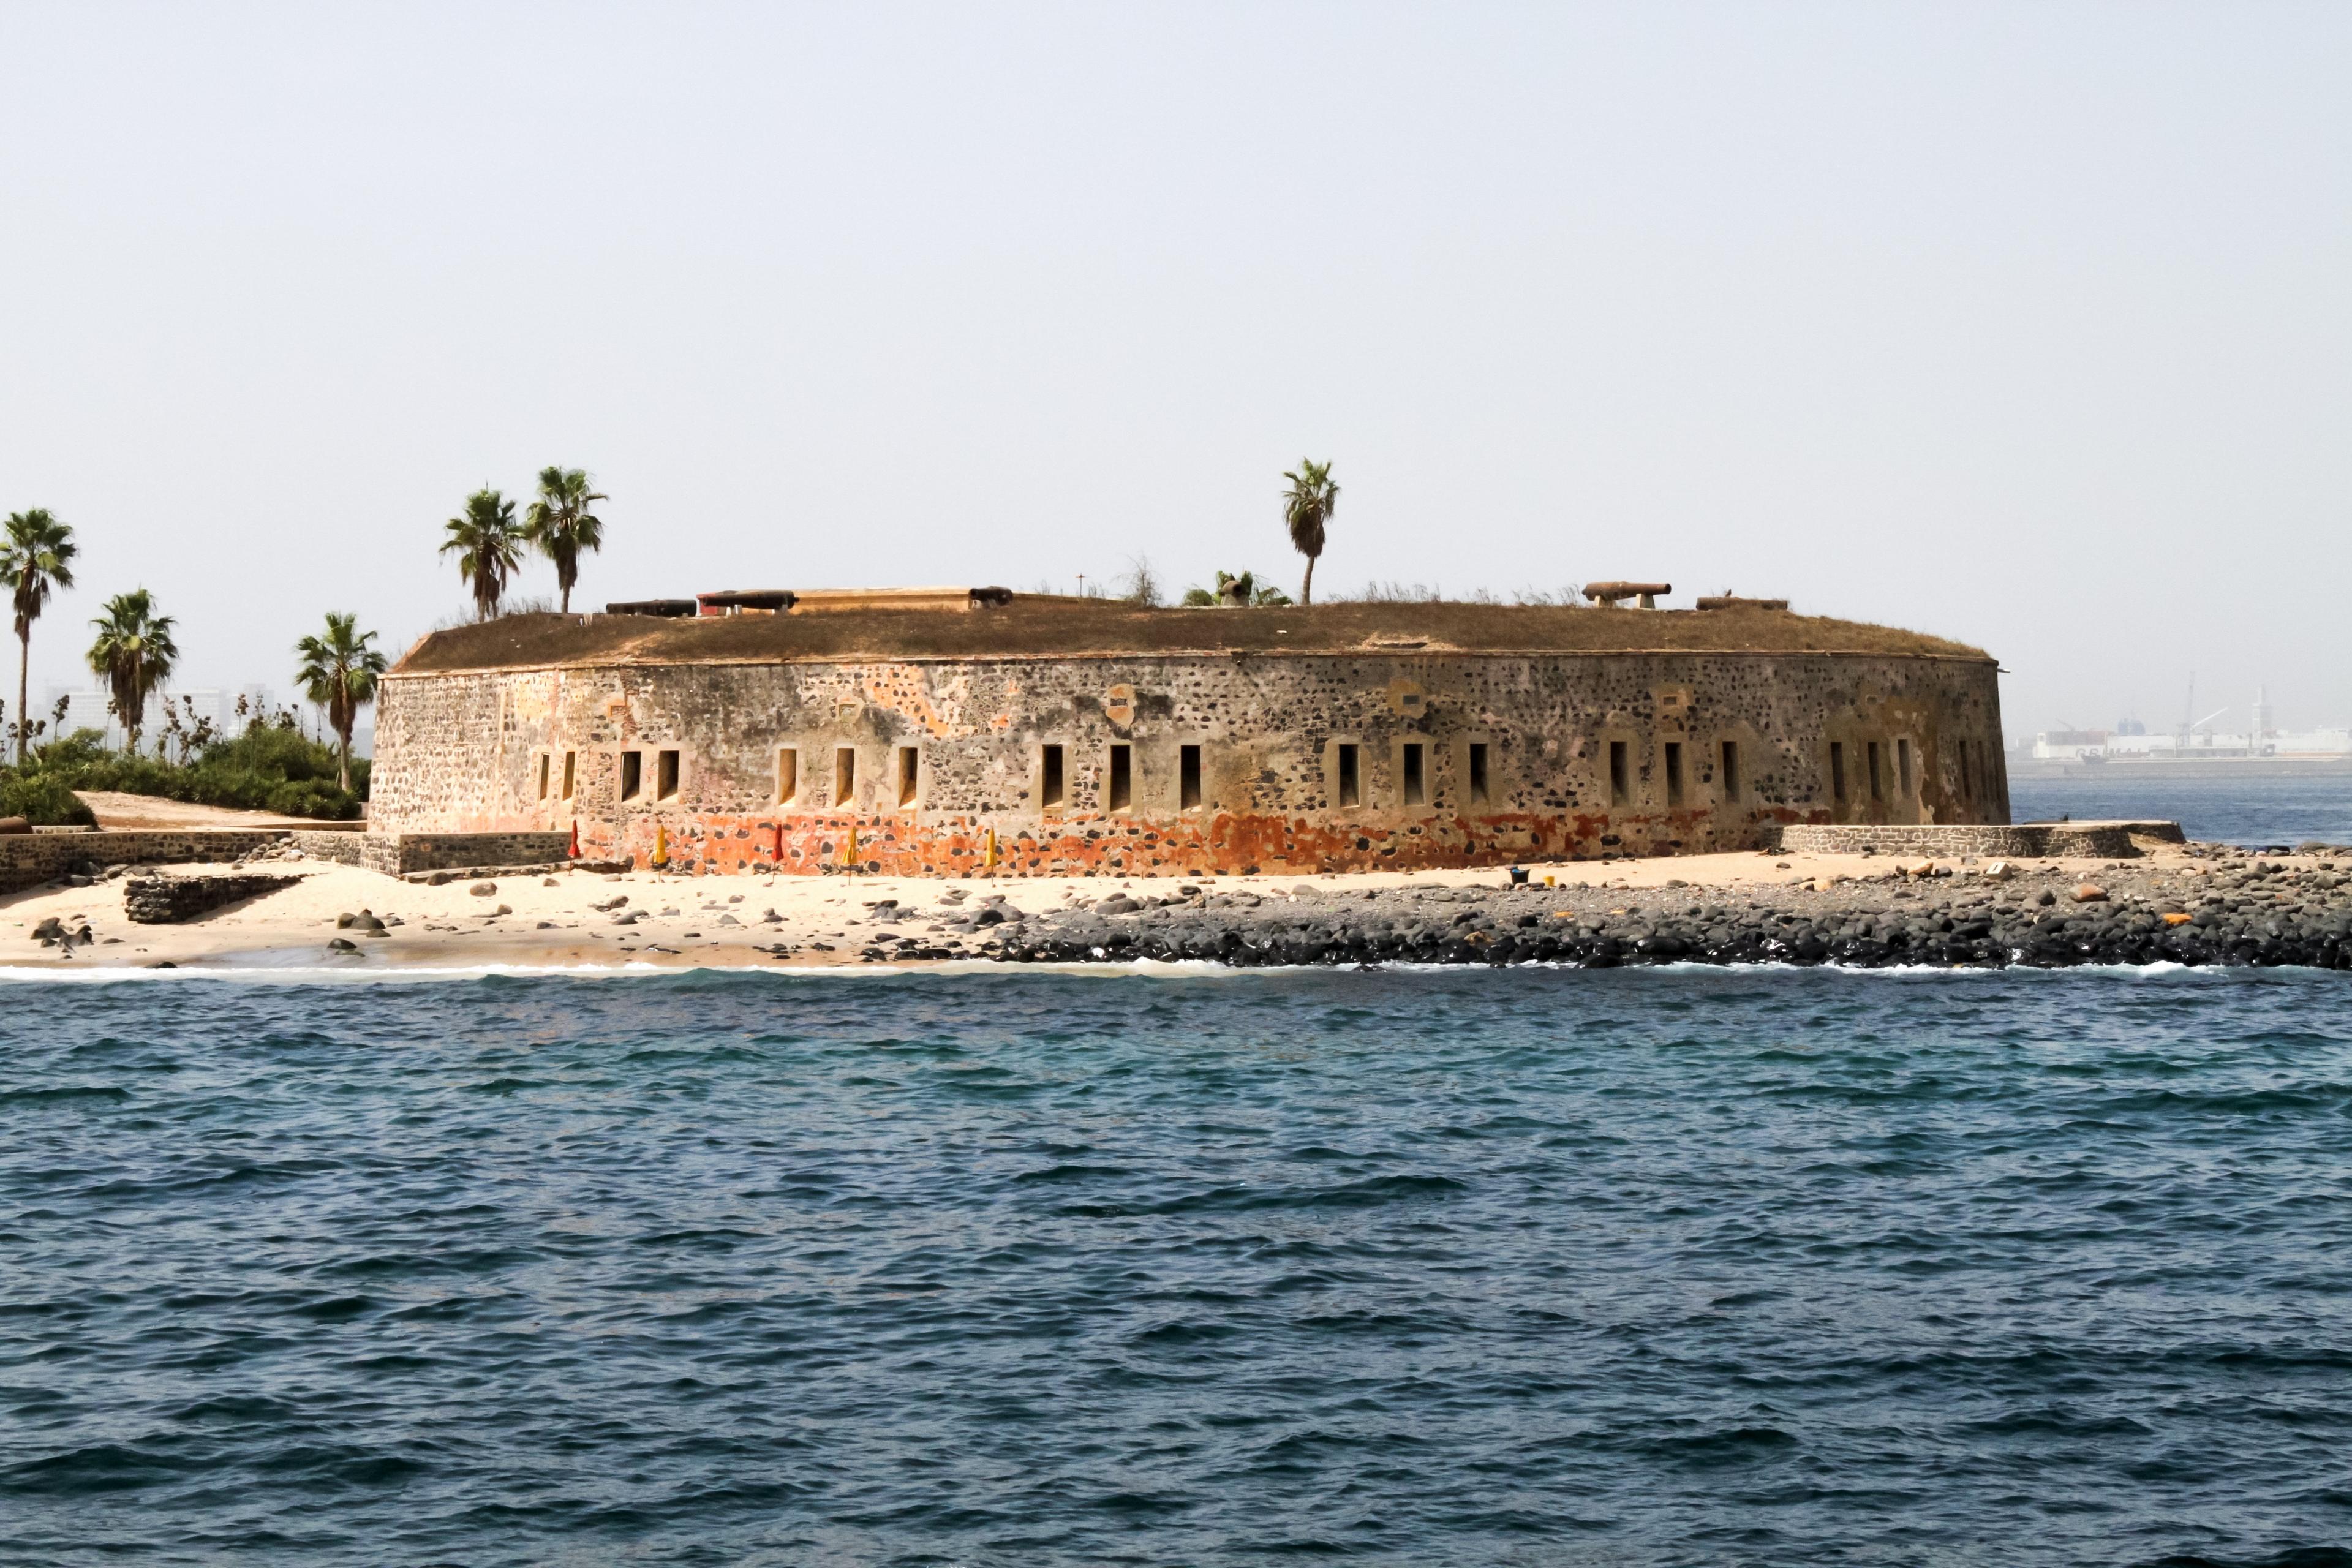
<point x="944" y="732"/>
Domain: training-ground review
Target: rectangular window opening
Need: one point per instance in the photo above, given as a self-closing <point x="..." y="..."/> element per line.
<point x="1837" y="772"/>
<point x="632" y="766"/>
<point x="570" y="771"/>
<point x="544" y="761"/>
<point x="1732" y="771"/>
<point x="1188" y="777"/>
<point x="1122" y="778"/>
<point x="1478" y="773"/>
<point x="1878" y="774"/>
<point x="1416" y="775"/>
<point x="788" y="775"/>
<point x="1350" y="791"/>
<point x="1049" y="781"/>
<point x="1621" y="783"/>
<point x="1968" y="780"/>
<point x="844" y="778"/>
<point x="1673" y="772"/>
<point x="910" y="773"/>
<point x="1903" y="768"/>
<point x="665" y="776"/>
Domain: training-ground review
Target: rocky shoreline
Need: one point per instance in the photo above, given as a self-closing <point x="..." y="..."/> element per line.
<point x="2210" y="908"/>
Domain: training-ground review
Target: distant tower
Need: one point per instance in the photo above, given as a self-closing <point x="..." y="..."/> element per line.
<point x="2263" y="725"/>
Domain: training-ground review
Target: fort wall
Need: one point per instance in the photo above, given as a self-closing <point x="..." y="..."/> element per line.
<point x="1144" y="764"/>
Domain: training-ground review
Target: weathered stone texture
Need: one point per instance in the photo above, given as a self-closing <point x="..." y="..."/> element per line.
<point x="166" y="901"/>
<point x="398" y="854"/>
<point x="467" y="751"/>
<point x="343" y="848"/>
<point x="2069" y="839"/>
<point x="27" y="859"/>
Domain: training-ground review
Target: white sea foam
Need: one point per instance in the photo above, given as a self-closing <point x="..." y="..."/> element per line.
<point x="328" y="973"/>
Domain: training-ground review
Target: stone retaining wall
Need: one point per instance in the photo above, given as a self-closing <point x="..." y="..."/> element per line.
<point x="398" y="854"/>
<point x="166" y="901"/>
<point x="343" y="848"/>
<point x="2024" y="840"/>
<point x="29" y="859"/>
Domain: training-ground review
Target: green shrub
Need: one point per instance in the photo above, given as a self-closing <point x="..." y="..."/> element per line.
<point x="311" y="797"/>
<point x="43" y="799"/>
<point x="264" y="769"/>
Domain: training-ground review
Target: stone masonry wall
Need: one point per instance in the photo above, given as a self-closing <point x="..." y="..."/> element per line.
<point x="167" y="899"/>
<point x="472" y="752"/>
<point x="27" y="859"/>
<point x="398" y="854"/>
<point x="343" y="847"/>
<point x="2101" y="840"/>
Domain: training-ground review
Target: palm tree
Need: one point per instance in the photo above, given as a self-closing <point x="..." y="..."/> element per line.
<point x="1306" y="506"/>
<point x="133" y="654"/>
<point x="36" y="555"/>
<point x="488" y="546"/>
<point x="560" y="524"/>
<point x="339" y="672"/>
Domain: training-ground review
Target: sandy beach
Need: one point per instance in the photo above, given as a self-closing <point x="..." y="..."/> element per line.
<point x="645" y="918"/>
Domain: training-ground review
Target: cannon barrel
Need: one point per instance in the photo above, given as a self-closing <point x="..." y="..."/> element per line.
<point x="1610" y="593"/>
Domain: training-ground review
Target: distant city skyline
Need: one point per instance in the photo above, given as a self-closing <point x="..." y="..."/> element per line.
<point x="89" y="707"/>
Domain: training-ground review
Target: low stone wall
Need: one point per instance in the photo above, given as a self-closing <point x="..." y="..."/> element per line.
<point x="398" y="854"/>
<point x="29" y="859"/>
<point x="2021" y="840"/>
<point x="166" y="901"/>
<point x="343" y="847"/>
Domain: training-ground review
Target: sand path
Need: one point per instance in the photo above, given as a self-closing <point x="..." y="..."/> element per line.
<point x="115" y="809"/>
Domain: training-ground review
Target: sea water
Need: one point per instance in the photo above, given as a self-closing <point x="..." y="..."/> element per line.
<point x="1464" y="1267"/>
<point x="2230" y="808"/>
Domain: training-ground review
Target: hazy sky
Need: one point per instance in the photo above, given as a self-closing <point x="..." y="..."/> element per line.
<point x="2030" y="325"/>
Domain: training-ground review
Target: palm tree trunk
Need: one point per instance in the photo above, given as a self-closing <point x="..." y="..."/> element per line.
<point x="23" y="674"/>
<point x="344" y="760"/>
<point x="1307" y="588"/>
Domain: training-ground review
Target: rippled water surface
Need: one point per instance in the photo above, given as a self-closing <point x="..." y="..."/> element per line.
<point x="1464" y="1267"/>
<point x="2232" y="807"/>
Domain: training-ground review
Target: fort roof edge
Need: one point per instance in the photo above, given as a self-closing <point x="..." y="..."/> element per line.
<point x="1034" y="628"/>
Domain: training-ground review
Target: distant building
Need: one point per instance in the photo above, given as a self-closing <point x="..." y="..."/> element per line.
<point x="88" y="708"/>
<point x="2131" y="742"/>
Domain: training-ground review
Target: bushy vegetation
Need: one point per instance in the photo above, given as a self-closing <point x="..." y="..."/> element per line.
<point x="42" y="800"/>
<point x="267" y="768"/>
